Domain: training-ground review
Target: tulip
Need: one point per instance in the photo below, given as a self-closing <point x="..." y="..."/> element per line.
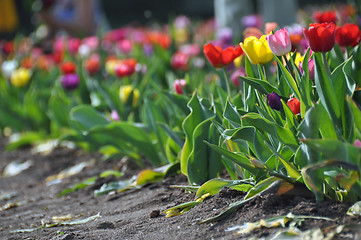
<point x="125" y="46"/>
<point x="8" y="67"/>
<point x="221" y="58"/>
<point x="274" y="101"/>
<point x="320" y="36"/>
<point x="295" y="105"/>
<point x="125" y="67"/>
<point x="114" y="115"/>
<point x="179" y="85"/>
<point x="70" y="81"/>
<point x="280" y="42"/>
<point x="311" y="68"/>
<point x="124" y="93"/>
<point x="92" y="65"/>
<point x="357" y="143"/>
<point x="325" y="17"/>
<point x="20" y="77"/>
<point x="180" y="61"/>
<point x="257" y="50"/>
<point x="236" y="74"/>
<point x="348" y="35"/>
<point x="68" y="67"/>
<point x="110" y="66"/>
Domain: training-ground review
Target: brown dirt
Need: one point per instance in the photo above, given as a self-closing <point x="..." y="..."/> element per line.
<point x="134" y="214"/>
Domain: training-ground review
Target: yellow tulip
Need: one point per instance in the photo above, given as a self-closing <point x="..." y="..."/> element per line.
<point x="110" y="66"/>
<point x="299" y="59"/>
<point x="238" y="61"/>
<point x="20" y="77"/>
<point x="257" y="50"/>
<point x="124" y="93"/>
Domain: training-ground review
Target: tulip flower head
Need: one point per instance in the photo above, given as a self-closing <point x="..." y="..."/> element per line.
<point x="274" y="101"/>
<point x="70" y="81"/>
<point x="124" y="93"/>
<point x="68" y="67"/>
<point x="92" y="64"/>
<point x="180" y="61"/>
<point x="320" y="36"/>
<point x="236" y="74"/>
<point x="324" y="17"/>
<point x="280" y="42"/>
<point x="357" y="143"/>
<point x="257" y="50"/>
<point x="220" y="58"/>
<point x="179" y="85"/>
<point x="311" y="68"/>
<point x="8" y="67"/>
<point x="348" y="35"/>
<point x="295" y="105"/>
<point x="20" y="77"/>
<point x="114" y="115"/>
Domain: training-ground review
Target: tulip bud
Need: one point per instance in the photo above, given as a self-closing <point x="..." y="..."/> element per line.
<point x="114" y="115"/>
<point x="70" y="81"/>
<point x="311" y="68"/>
<point x="295" y="105"/>
<point x="68" y="67"/>
<point x="20" y="77"/>
<point x="274" y="101"/>
<point x="357" y="143"/>
<point x="179" y="85"/>
<point x="124" y="93"/>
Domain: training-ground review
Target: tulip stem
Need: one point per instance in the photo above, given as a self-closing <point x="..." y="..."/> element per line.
<point x="227" y="82"/>
<point x="325" y="63"/>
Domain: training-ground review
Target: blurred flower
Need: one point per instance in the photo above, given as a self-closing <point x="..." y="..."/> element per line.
<point x="8" y="48"/>
<point x="8" y="67"/>
<point x="257" y="50"/>
<point x="161" y="39"/>
<point x="68" y="67"/>
<point x="321" y="36"/>
<point x="191" y="50"/>
<point x="84" y="50"/>
<point x="20" y="77"/>
<point x="295" y="105"/>
<point x="270" y="26"/>
<point x="236" y="74"/>
<point x="251" y="31"/>
<point x="298" y="59"/>
<point x="124" y="93"/>
<point x="181" y="35"/>
<point x="225" y="35"/>
<point x="125" y="67"/>
<point x="325" y="17"/>
<point x="92" y="64"/>
<point x="182" y="22"/>
<point x="27" y="62"/>
<point x="252" y="21"/>
<point x="221" y="58"/>
<point x="92" y="42"/>
<point x="73" y="45"/>
<point x="114" y="115"/>
<point x="110" y="66"/>
<point x="198" y="62"/>
<point x="148" y="49"/>
<point x="279" y="42"/>
<point x="125" y="46"/>
<point x="70" y="81"/>
<point x="311" y="68"/>
<point x="348" y="35"/>
<point x="179" y="61"/>
<point x="274" y="101"/>
<point x="357" y="143"/>
<point x="178" y="85"/>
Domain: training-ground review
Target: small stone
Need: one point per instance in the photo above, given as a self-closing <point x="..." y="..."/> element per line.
<point x="154" y="214"/>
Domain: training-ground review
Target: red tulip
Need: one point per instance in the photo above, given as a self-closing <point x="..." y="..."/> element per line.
<point x="68" y="67"/>
<point x="295" y="105"/>
<point x="324" y="17"/>
<point x="125" y="67"/>
<point x="178" y="85"/>
<point x="92" y="64"/>
<point x="221" y="58"/>
<point x="348" y="35"/>
<point x="320" y="36"/>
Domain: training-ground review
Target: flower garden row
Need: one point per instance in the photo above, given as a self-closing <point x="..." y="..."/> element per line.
<point x="279" y="107"/>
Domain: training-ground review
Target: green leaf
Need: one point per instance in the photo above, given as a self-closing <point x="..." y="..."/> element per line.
<point x="238" y="158"/>
<point x="355" y="209"/>
<point x="78" y="186"/>
<point x="283" y="134"/>
<point x="289" y="79"/>
<point x="85" y="117"/>
<point x="260" y="85"/>
<point x="261" y="187"/>
<point x="231" y="114"/>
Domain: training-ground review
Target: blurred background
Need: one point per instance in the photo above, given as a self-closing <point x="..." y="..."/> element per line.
<point x="120" y="13"/>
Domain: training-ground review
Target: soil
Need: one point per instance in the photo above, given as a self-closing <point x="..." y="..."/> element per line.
<point x="137" y="214"/>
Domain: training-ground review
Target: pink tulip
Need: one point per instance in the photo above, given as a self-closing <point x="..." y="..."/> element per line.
<point x="280" y="42"/>
<point x="179" y="85"/>
<point x="311" y="68"/>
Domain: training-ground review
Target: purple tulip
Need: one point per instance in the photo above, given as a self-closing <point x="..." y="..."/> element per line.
<point x="225" y="35"/>
<point x="114" y="115"/>
<point x="236" y="74"/>
<point x="252" y="21"/>
<point x="69" y="81"/>
<point x="311" y="68"/>
<point x="280" y="42"/>
<point x="274" y="101"/>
